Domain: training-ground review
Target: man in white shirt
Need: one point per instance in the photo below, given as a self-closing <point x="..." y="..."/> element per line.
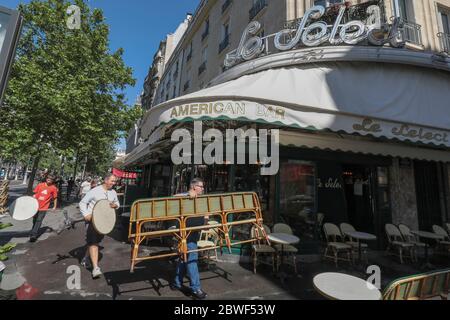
<point x="93" y="238"/>
<point x="85" y="187"/>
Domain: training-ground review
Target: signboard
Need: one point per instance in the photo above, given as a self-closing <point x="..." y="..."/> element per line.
<point x="312" y="32"/>
<point x="10" y="27"/>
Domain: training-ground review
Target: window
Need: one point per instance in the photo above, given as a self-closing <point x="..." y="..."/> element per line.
<point x="445" y="20"/>
<point x="206" y="31"/>
<point x="189" y="55"/>
<point x="298" y="197"/>
<point x="327" y="3"/>
<point x="225" y="36"/>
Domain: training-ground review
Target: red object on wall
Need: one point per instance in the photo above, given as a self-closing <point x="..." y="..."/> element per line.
<point x="124" y="174"/>
<point x="26" y="292"/>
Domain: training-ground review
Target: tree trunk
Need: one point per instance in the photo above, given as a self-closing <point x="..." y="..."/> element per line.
<point x="61" y="170"/>
<point x="33" y="174"/>
<point x="75" y="167"/>
<point x="84" y="168"/>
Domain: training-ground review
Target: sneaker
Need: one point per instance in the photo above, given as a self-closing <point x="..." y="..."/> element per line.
<point x="85" y="262"/>
<point x="174" y="287"/>
<point x="200" y="294"/>
<point x="96" y="273"/>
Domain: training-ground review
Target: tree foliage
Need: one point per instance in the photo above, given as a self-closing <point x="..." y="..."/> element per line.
<point x="66" y="87"/>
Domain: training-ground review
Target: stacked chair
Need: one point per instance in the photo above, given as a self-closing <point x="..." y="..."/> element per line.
<point x="336" y="244"/>
<point x="411" y="238"/>
<point x="262" y="248"/>
<point x="443" y="244"/>
<point x="397" y="245"/>
<point x="345" y="227"/>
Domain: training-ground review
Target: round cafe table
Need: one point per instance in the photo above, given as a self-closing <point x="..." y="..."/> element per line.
<point x="340" y="286"/>
<point x="360" y="236"/>
<point x="427" y="235"/>
<point x="283" y="239"/>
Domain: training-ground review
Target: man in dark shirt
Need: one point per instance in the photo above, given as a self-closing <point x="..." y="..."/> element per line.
<point x="191" y="265"/>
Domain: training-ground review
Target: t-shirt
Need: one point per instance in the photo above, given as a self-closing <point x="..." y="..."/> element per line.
<point x="193" y="222"/>
<point x="95" y="195"/>
<point x="85" y="187"/>
<point x="44" y="195"/>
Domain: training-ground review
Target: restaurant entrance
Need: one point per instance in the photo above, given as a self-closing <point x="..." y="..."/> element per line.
<point x="359" y="197"/>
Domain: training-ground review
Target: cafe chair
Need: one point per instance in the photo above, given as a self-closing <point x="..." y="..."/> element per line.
<point x="445" y="243"/>
<point x="208" y="239"/>
<point x="261" y="248"/>
<point x="335" y="244"/>
<point x="353" y="242"/>
<point x="152" y="226"/>
<point x="396" y="244"/>
<point x="286" y="249"/>
<point x="411" y="238"/>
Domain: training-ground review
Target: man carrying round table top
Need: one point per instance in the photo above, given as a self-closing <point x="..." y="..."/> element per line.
<point x="103" y="192"/>
<point x="190" y="266"/>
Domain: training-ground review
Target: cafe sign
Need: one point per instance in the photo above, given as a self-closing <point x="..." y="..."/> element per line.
<point x="10" y="26"/>
<point x="316" y="33"/>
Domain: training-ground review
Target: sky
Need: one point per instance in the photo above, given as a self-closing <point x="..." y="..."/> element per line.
<point x="137" y="26"/>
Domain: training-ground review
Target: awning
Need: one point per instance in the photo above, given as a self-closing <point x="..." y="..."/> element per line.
<point x="380" y="100"/>
<point x="355" y="145"/>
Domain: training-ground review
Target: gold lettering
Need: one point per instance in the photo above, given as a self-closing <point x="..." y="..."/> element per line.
<point x="203" y="108"/>
<point x="183" y="110"/>
<point x="368" y="125"/>
<point x="174" y="112"/>
<point x="217" y="109"/>
<point x="194" y="109"/>
<point x="436" y="137"/>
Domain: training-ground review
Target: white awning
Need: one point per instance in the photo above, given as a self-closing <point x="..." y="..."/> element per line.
<point x="380" y="100"/>
<point x="355" y="145"/>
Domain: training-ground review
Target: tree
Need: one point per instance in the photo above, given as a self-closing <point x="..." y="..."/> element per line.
<point x="65" y="90"/>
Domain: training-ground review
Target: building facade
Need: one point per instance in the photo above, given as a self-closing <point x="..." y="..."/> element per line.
<point x="357" y="89"/>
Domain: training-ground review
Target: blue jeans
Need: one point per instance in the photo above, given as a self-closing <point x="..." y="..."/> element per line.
<point x="191" y="267"/>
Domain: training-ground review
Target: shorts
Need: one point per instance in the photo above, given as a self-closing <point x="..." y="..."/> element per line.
<point x="92" y="236"/>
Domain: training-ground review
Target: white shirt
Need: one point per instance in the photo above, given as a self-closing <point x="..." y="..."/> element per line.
<point x="93" y="196"/>
<point x="85" y="187"/>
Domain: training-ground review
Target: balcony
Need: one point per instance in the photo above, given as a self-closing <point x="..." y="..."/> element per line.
<point x="226" y="5"/>
<point x="202" y="68"/>
<point x="257" y="7"/>
<point x="411" y="33"/>
<point x="189" y="56"/>
<point x="444" y="39"/>
<point x="225" y="42"/>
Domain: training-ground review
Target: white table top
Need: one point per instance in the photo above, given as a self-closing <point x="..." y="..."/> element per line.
<point x="426" y="234"/>
<point x="283" y="238"/>
<point x="340" y="286"/>
<point x="361" y="235"/>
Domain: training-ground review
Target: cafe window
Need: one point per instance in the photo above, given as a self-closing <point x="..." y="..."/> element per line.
<point x="297" y="198"/>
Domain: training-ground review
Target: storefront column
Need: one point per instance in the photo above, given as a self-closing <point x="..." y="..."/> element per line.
<point x="403" y="194"/>
<point x="447" y="190"/>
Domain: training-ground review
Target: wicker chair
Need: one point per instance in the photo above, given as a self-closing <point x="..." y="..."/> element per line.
<point x="420" y="287"/>
<point x="208" y="239"/>
<point x="396" y="243"/>
<point x="335" y="243"/>
<point x="445" y="243"/>
<point x="345" y="227"/>
<point x="286" y="249"/>
<point x="410" y="238"/>
<point x="261" y="248"/>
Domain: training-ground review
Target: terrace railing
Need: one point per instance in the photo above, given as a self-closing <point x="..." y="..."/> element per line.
<point x="444" y="39"/>
<point x="411" y="32"/>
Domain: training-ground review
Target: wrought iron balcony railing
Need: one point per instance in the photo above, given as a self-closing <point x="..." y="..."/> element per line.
<point x="225" y="42"/>
<point x="411" y="32"/>
<point x="189" y="56"/>
<point x="257" y="7"/>
<point x="444" y="39"/>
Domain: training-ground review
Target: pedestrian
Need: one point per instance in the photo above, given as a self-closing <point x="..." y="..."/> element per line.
<point x="190" y="267"/>
<point x="45" y="193"/>
<point x="70" y="185"/>
<point x="85" y="187"/>
<point x="93" y="183"/>
<point x="103" y="192"/>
